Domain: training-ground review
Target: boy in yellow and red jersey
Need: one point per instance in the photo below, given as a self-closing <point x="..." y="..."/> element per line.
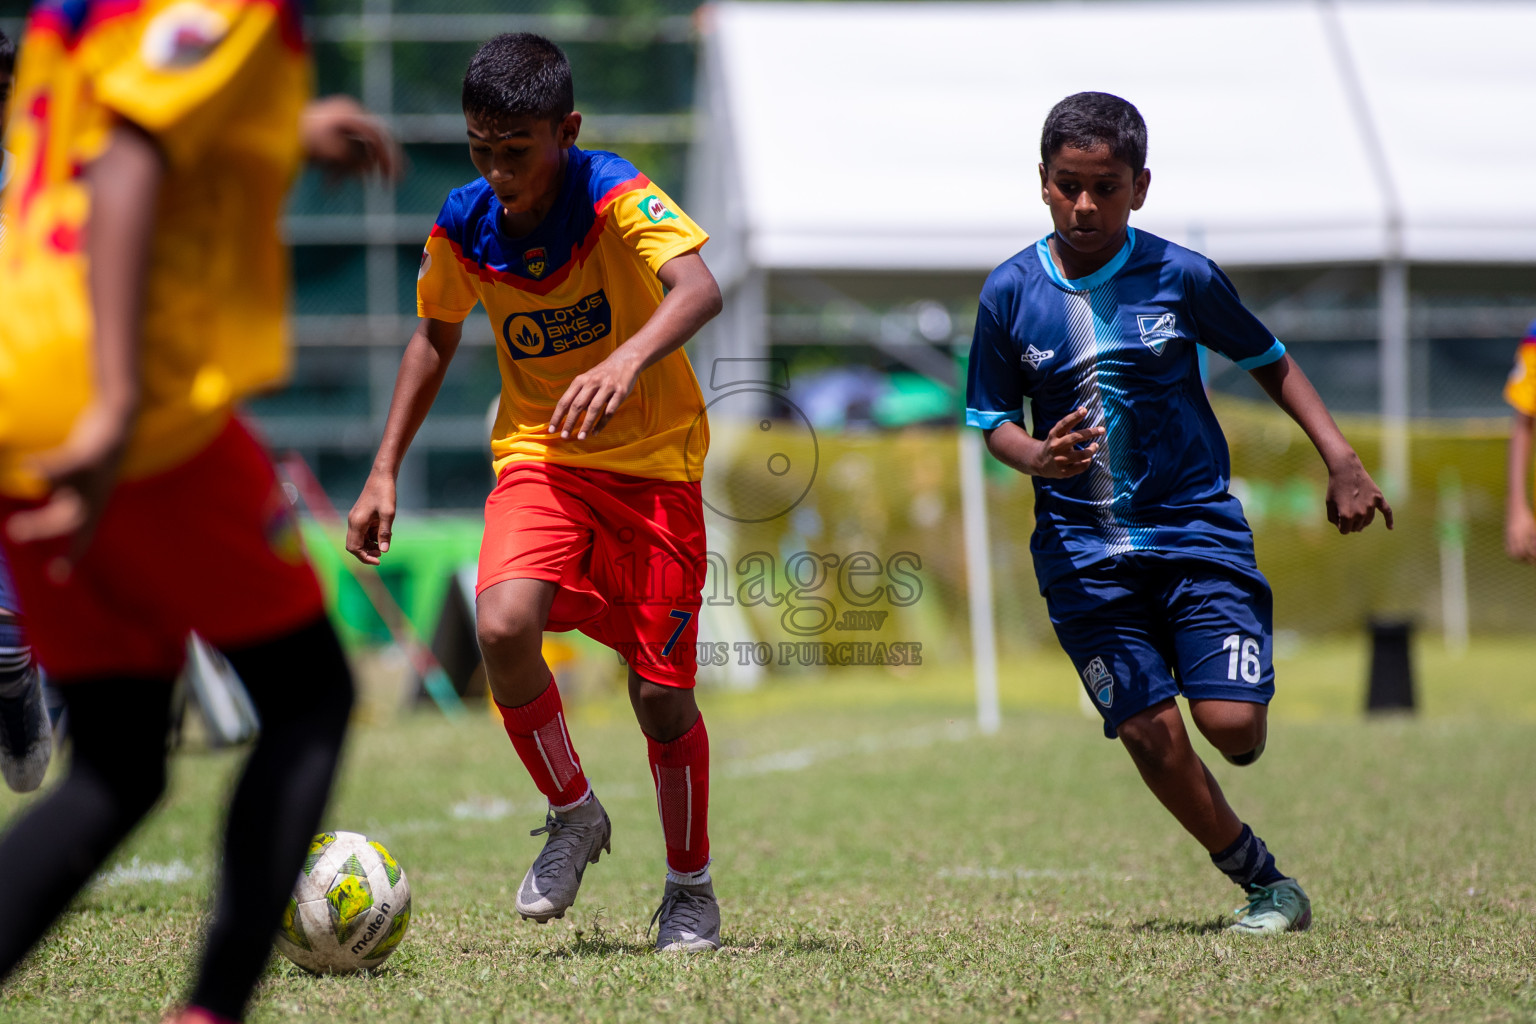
<point x="136" y="506"/>
<point x="593" y="281"/>
<point x="1520" y="393"/>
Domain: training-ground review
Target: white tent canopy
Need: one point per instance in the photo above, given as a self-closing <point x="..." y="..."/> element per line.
<point x="902" y="138"/>
<point x="884" y="136"/>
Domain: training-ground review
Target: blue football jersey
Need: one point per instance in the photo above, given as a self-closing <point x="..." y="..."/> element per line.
<point x="1120" y="342"/>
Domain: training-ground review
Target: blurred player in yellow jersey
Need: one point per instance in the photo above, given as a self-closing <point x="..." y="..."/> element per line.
<point x="593" y="281"/>
<point x="1520" y="393"/>
<point x="144" y="289"/>
<point x="26" y="739"/>
<point x="7" y="75"/>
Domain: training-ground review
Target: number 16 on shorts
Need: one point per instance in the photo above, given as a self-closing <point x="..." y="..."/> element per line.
<point x="1243" y="658"/>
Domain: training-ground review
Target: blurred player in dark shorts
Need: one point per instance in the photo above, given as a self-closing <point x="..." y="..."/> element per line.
<point x="137" y="507"/>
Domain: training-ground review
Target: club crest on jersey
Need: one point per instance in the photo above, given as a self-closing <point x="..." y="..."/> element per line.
<point x="182" y="36"/>
<point x="536" y="261"/>
<point x="1157" y="329"/>
<point x="655" y="210"/>
<point x="1100" y="682"/>
<point x="1034" y="357"/>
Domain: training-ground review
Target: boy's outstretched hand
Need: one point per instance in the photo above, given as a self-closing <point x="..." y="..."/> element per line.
<point x="80" y="474"/>
<point x="591" y="399"/>
<point x="371" y="519"/>
<point x="345" y="139"/>
<point x="1059" y="456"/>
<point x="1064" y="451"/>
<point x="1353" y="497"/>
<point x="1520" y="536"/>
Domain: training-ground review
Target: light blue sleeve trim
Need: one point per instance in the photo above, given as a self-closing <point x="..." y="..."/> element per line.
<point x="1269" y="355"/>
<point x="989" y="420"/>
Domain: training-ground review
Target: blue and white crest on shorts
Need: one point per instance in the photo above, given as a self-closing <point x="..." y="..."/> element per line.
<point x="1157" y="329"/>
<point x="1100" y="682"/>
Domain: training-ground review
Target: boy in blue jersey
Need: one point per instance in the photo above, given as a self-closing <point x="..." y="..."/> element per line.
<point x="1144" y="557"/>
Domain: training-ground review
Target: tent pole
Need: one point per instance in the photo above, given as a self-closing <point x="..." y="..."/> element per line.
<point x="978" y="565"/>
<point x="1393" y="356"/>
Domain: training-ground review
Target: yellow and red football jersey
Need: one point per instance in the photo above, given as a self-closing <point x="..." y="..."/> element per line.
<point x="5" y="178"/>
<point x="560" y="301"/>
<point x="1520" y="390"/>
<point x="220" y="85"/>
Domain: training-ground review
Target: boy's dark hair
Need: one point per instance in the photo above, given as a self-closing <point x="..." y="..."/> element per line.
<point x="1088" y="119"/>
<point x="519" y="74"/>
<point x="7" y="55"/>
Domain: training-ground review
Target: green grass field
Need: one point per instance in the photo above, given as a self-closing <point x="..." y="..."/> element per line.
<point x="877" y="860"/>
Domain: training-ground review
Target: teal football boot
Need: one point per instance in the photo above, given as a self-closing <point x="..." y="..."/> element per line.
<point x="1272" y="909"/>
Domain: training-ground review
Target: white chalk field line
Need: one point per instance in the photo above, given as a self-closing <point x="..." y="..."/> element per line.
<point x="480" y="808"/>
<point x="137" y="871"/>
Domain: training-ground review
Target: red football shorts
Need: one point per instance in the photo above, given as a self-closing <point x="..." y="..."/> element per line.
<point x="210" y="545"/>
<point x="628" y="553"/>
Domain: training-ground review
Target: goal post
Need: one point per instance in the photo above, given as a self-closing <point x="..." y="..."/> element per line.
<point x="978" y="565"/>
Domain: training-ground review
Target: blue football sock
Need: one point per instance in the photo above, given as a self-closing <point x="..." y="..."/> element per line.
<point x="15" y="669"/>
<point x="1248" y="861"/>
<point x="15" y="656"/>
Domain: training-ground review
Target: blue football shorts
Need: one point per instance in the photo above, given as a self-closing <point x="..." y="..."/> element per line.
<point x="1143" y="627"/>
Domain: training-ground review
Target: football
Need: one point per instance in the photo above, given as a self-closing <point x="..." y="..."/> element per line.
<point x="350" y="909"/>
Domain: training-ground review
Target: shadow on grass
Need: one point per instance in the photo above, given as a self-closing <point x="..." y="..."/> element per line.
<point x="600" y="946"/>
<point x="1214" y="925"/>
<point x="800" y="944"/>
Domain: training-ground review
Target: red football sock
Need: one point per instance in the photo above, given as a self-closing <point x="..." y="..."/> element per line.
<point x="537" y="730"/>
<point x="680" y="770"/>
<point x="198" y="1015"/>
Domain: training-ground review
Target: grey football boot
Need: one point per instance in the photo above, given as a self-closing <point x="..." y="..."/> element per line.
<point x="576" y="838"/>
<point x="26" y="735"/>
<point x="690" y="919"/>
